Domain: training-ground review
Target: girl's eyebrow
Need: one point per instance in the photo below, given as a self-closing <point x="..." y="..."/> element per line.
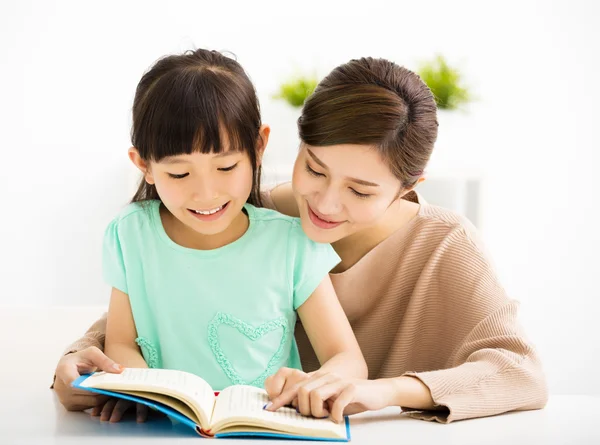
<point x="174" y="160"/>
<point x="322" y="164"/>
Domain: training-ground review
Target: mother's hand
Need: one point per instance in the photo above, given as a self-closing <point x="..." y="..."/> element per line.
<point x="326" y="394"/>
<point x="70" y="367"/>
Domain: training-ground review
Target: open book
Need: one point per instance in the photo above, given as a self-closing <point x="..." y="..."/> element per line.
<point x="236" y="411"/>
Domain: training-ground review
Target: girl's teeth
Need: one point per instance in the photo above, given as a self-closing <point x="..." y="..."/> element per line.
<point x="208" y="212"/>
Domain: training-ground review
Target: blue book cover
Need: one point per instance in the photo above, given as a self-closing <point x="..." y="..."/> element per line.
<point x="330" y="432"/>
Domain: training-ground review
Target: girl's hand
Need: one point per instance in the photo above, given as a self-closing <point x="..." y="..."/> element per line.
<point x="322" y="395"/>
<point x="282" y="381"/>
<point x="114" y="409"/>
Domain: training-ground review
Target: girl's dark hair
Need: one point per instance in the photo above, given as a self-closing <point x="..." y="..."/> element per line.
<point x="198" y="101"/>
<point x="374" y="102"/>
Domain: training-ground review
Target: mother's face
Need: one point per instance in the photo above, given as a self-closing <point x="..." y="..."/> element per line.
<point x="341" y="190"/>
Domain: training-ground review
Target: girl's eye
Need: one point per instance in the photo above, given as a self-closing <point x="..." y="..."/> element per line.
<point x="228" y="169"/>
<point x="178" y="176"/>
<point x="359" y="195"/>
<point x="312" y="172"/>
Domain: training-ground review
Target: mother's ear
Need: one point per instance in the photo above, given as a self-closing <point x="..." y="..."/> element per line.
<point x="421" y="179"/>
<point x="134" y="156"/>
<point x="404" y="191"/>
<point x="263" y="138"/>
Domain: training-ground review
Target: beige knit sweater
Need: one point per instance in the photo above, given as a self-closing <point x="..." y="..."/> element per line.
<point x="425" y="302"/>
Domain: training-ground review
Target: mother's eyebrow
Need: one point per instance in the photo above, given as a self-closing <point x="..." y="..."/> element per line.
<point x="322" y="164"/>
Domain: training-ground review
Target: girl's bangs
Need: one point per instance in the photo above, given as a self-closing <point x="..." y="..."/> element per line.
<point x="197" y="115"/>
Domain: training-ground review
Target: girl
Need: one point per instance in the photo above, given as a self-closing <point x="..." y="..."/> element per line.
<point x="203" y="280"/>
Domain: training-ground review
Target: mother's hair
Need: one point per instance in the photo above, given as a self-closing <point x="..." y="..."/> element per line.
<point x="374" y="102"/>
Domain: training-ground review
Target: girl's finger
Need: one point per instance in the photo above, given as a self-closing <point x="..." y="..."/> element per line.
<point x="318" y="381"/>
<point x="305" y="390"/>
<point x="120" y="408"/>
<point x="96" y="410"/>
<point x="289" y="395"/>
<point x="141" y="413"/>
<point x="85" y="401"/>
<point x="274" y="384"/>
<point x="303" y="395"/>
<point x="67" y="373"/>
<point x="318" y="407"/>
<point x="285" y="398"/>
<point x="289" y="389"/>
<point x="93" y="357"/>
<point x="107" y="410"/>
<point x="345" y="398"/>
<point x="330" y="391"/>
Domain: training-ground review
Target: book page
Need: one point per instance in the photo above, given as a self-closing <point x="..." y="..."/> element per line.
<point x="178" y="384"/>
<point x="239" y="406"/>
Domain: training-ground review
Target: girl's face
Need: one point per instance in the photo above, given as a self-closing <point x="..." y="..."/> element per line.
<point x="205" y="192"/>
<point x="341" y="190"/>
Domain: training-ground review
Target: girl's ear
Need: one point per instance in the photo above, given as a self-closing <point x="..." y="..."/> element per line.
<point x="263" y="139"/>
<point x="137" y="160"/>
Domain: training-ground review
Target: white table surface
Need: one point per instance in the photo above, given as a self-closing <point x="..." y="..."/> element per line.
<point x="30" y="413"/>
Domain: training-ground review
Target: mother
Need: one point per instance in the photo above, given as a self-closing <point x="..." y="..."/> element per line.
<point x="438" y="332"/>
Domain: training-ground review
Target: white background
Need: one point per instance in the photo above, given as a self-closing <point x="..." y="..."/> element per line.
<point x="68" y="71"/>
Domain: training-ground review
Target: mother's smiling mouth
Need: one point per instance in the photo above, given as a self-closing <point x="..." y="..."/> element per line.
<point x="321" y="221"/>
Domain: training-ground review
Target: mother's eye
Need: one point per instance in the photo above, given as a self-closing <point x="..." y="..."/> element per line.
<point x="360" y="195"/>
<point x="313" y="172"/>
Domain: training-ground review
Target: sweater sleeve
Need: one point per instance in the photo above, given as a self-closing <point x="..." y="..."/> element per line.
<point x="492" y="367"/>
<point x="267" y="199"/>
<point x="94" y="336"/>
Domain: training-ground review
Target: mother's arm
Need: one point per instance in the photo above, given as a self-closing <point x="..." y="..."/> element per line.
<point x="494" y="370"/>
<point x="490" y="366"/>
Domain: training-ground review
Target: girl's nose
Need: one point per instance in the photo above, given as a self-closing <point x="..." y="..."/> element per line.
<point x="204" y="191"/>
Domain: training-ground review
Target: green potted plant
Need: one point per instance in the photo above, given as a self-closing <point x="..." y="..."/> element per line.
<point x="295" y="90"/>
<point x="445" y="83"/>
<point x="452" y="96"/>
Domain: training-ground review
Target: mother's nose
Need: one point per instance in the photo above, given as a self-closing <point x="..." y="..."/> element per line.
<point x="328" y="202"/>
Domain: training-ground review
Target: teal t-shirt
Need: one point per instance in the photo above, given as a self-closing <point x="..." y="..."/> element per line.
<point x="228" y="314"/>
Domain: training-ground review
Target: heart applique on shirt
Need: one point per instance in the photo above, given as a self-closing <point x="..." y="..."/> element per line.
<point x="252" y="333"/>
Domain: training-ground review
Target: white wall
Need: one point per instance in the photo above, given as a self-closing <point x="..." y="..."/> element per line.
<point x="68" y="70"/>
